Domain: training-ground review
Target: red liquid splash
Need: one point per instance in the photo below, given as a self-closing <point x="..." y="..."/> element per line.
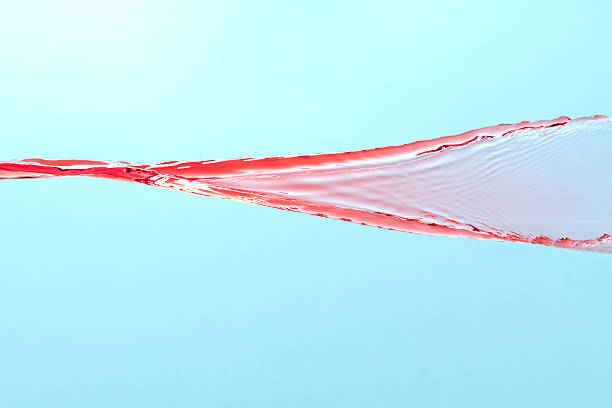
<point x="545" y="182"/>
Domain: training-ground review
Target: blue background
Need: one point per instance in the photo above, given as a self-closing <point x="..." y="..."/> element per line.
<point x="116" y="294"/>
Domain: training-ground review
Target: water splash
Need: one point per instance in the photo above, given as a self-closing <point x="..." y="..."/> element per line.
<point x="544" y="182"/>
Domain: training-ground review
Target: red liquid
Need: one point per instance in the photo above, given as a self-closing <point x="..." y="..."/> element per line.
<point x="544" y="182"/>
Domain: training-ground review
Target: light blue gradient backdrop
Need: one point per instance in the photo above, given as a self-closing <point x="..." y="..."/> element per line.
<point x="117" y="294"/>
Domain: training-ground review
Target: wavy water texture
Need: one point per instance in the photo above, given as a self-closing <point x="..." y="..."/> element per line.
<point x="544" y="182"/>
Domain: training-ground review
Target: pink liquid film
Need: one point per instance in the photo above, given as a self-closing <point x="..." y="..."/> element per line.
<point x="546" y="182"/>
